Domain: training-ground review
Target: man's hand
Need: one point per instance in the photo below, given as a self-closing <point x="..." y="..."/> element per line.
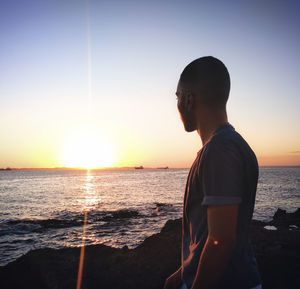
<point x="173" y="281"/>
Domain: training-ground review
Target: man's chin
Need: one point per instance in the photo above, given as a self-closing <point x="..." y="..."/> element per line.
<point x="188" y="128"/>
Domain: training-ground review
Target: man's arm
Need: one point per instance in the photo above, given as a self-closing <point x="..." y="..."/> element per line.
<point x="218" y="247"/>
<point x="174" y="280"/>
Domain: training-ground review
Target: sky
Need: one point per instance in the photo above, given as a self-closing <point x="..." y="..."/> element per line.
<point x="92" y="83"/>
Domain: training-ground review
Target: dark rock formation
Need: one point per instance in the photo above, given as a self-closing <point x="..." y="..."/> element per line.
<point x="278" y="252"/>
<point x="147" y="266"/>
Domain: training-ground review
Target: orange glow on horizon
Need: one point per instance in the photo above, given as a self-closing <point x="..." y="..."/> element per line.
<point x="292" y="159"/>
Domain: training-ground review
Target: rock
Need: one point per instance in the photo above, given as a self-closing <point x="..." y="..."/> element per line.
<point x="278" y="251"/>
<point x="149" y="264"/>
<point x="283" y="219"/>
<point x="279" y="214"/>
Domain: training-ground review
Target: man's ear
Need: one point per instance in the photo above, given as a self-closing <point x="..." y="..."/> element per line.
<point x="189" y="101"/>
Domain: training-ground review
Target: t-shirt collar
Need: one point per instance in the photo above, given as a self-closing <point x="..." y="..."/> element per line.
<point x="222" y="127"/>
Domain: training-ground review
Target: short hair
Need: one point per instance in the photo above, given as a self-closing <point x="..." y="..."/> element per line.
<point x="212" y="76"/>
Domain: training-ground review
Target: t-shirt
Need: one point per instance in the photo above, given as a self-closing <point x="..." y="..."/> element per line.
<point x="224" y="172"/>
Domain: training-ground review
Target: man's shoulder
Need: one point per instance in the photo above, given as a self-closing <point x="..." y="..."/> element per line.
<point x="230" y="143"/>
<point x="228" y="138"/>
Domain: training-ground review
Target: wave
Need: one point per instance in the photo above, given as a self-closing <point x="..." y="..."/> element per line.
<point x="63" y="220"/>
<point x="161" y="208"/>
<point x="122" y="214"/>
<point x="18" y="228"/>
<point x="67" y="219"/>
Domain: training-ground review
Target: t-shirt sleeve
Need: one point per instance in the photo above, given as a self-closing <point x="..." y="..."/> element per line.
<point x="222" y="177"/>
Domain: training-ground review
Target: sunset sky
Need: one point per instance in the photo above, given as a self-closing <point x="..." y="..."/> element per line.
<point x="92" y="83"/>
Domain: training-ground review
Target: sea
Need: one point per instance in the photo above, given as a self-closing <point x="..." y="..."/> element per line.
<point x="46" y="208"/>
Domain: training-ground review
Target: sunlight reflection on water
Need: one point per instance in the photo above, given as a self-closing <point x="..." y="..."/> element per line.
<point x="89" y="198"/>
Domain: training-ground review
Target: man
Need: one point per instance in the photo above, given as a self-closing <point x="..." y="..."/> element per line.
<point x="221" y="188"/>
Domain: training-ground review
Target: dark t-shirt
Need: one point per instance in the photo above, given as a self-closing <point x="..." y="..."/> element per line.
<point x="224" y="172"/>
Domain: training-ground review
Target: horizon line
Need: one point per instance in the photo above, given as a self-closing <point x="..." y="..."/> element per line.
<point x="116" y="168"/>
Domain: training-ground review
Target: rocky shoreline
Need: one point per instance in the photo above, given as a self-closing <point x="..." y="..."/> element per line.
<point x="147" y="266"/>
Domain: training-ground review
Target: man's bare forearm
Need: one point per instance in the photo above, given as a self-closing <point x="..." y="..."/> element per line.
<point x="212" y="263"/>
<point x="174" y="280"/>
<point x="178" y="273"/>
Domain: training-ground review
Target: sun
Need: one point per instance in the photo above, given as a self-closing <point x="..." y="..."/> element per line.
<point x="86" y="149"/>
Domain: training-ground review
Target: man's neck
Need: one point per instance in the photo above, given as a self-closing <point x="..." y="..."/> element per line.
<point x="206" y="130"/>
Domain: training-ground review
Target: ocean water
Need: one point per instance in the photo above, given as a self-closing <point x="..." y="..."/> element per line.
<point x="45" y="208"/>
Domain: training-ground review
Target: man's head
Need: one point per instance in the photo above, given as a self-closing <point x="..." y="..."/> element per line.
<point x="204" y="87"/>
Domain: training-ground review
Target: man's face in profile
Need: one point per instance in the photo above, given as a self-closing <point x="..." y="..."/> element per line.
<point x="184" y="106"/>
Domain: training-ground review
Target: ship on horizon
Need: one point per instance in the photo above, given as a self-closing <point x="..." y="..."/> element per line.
<point x="139" y="168"/>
